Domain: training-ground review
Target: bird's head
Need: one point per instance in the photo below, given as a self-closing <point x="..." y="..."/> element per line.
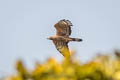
<point x="50" y="38"/>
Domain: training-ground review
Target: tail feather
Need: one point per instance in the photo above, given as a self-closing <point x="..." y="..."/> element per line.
<point x="76" y="39"/>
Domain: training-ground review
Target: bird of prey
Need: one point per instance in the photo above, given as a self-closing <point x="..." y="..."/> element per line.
<point x="61" y="39"/>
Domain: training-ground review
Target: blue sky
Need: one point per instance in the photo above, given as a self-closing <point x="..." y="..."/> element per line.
<point x="25" y="25"/>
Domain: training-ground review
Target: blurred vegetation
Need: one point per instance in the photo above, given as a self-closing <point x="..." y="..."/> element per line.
<point x="102" y="67"/>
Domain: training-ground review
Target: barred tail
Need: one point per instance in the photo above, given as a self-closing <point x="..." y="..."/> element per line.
<point x="76" y="39"/>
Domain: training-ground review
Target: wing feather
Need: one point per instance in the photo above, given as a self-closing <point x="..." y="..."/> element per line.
<point x="62" y="47"/>
<point x="63" y="28"/>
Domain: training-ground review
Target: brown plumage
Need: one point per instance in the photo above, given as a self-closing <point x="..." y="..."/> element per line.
<point x="61" y="39"/>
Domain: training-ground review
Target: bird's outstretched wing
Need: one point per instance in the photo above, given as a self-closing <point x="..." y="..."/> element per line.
<point x="63" y="27"/>
<point x="62" y="47"/>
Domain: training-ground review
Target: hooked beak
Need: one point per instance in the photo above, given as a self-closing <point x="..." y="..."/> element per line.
<point x="48" y="38"/>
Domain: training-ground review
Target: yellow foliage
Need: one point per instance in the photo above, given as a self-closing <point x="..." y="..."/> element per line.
<point x="103" y="67"/>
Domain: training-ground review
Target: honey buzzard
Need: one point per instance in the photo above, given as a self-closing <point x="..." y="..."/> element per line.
<point x="61" y="39"/>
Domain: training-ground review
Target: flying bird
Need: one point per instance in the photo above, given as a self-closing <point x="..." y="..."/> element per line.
<point x="61" y="39"/>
